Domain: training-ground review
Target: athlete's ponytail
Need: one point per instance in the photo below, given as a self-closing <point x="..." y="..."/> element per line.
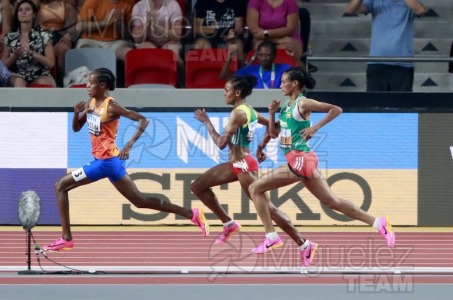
<point x="299" y="74"/>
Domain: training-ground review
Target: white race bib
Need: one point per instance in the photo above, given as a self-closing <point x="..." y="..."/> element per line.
<point x="252" y="127"/>
<point x="78" y="174"/>
<point x="285" y="138"/>
<point x="94" y="122"/>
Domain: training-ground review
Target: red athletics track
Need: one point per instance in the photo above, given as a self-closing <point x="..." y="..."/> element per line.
<point x="165" y="257"/>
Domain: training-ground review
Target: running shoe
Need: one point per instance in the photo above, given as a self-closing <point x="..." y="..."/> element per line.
<point x="200" y="220"/>
<point x="59" y="245"/>
<point x="386" y="231"/>
<point x="308" y="253"/>
<point x="228" y="232"/>
<point x="268" y="245"/>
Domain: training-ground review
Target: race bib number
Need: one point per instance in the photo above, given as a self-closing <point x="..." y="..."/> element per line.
<point x="252" y="127"/>
<point x="94" y="123"/>
<point x="285" y="138"/>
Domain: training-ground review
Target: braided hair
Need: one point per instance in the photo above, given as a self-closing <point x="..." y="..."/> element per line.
<point x="106" y="76"/>
<point x="299" y="74"/>
<point x="244" y="84"/>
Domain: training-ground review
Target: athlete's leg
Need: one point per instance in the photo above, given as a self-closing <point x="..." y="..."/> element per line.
<point x="62" y="187"/>
<point x="129" y="190"/>
<point x="276" y="178"/>
<point x="201" y="187"/>
<point x="280" y="218"/>
<point x="318" y="186"/>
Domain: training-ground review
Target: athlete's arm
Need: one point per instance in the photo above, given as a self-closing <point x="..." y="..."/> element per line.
<point x="274" y="128"/>
<point x="237" y="118"/>
<point x="260" y="155"/>
<point x="115" y="109"/>
<point x="312" y="105"/>
<point x="80" y="115"/>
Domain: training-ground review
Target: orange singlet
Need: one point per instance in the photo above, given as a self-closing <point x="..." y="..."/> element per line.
<point x="103" y="130"/>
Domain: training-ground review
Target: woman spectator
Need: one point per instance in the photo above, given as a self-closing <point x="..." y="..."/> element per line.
<point x="157" y="24"/>
<point x="275" y="20"/>
<point x="59" y="19"/>
<point x="28" y="49"/>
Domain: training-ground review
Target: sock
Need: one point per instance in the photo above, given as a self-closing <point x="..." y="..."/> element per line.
<point x="377" y="224"/>
<point x="272" y="235"/>
<point x="305" y="245"/>
<point x="229" y="223"/>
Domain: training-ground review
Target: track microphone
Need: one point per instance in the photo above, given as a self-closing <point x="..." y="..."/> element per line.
<point x="38" y="250"/>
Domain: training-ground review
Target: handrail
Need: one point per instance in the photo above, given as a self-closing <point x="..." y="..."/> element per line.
<point x="378" y="58"/>
<point x="381" y="58"/>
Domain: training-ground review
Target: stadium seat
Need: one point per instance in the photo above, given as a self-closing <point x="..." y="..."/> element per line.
<point x="203" y="67"/>
<point x="92" y="58"/>
<point x="281" y="57"/>
<point x="150" y="66"/>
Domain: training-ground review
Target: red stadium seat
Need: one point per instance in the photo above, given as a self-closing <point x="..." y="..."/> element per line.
<point x="281" y="57"/>
<point x="203" y="67"/>
<point x="144" y="66"/>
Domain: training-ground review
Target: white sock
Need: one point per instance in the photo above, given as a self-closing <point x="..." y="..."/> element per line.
<point x="272" y="235"/>
<point x="305" y="245"/>
<point x="227" y="224"/>
<point x="377" y="224"/>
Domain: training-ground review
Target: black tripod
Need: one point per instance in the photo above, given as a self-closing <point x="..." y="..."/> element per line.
<point x="29" y="271"/>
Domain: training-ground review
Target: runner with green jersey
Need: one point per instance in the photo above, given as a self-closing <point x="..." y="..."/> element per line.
<point x="302" y="164"/>
<point x="291" y="126"/>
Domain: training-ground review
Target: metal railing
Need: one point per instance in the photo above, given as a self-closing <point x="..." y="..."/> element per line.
<point x="379" y="59"/>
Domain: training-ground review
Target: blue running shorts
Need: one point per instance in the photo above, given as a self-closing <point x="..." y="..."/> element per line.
<point x="112" y="168"/>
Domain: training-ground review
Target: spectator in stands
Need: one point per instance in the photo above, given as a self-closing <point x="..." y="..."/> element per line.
<point x="157" y="24"/>
<point x="5" y="76"/>
<point x="269" y="74"/>
<point x="5" y="18"/>
<point x="59" y="18"/>
<point x="29" y="49"/>
<point x="392" y="34"/>
<point x="305" y="27"/>
<point x="220" y="23"/>
<point x="278" y="21"/>
<point x="7" y="7"/>
<point x="104" y="24"/>
<point x="75" y="3"/>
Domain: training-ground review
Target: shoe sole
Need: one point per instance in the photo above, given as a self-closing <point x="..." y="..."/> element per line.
<point x="202" y="219"/>
<point x="388" y="227"/>
<point x="228" y="237"/>
<point x="270" y="248"/>
<point x="62" y="249"/>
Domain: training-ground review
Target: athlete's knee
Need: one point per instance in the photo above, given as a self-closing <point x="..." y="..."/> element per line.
<point x="59" y="187"/>
<point x="195" y="187"/>
<point x="254" y="189"/>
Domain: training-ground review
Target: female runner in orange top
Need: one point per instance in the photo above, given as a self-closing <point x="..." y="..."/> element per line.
<point x="102" y="114"/>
